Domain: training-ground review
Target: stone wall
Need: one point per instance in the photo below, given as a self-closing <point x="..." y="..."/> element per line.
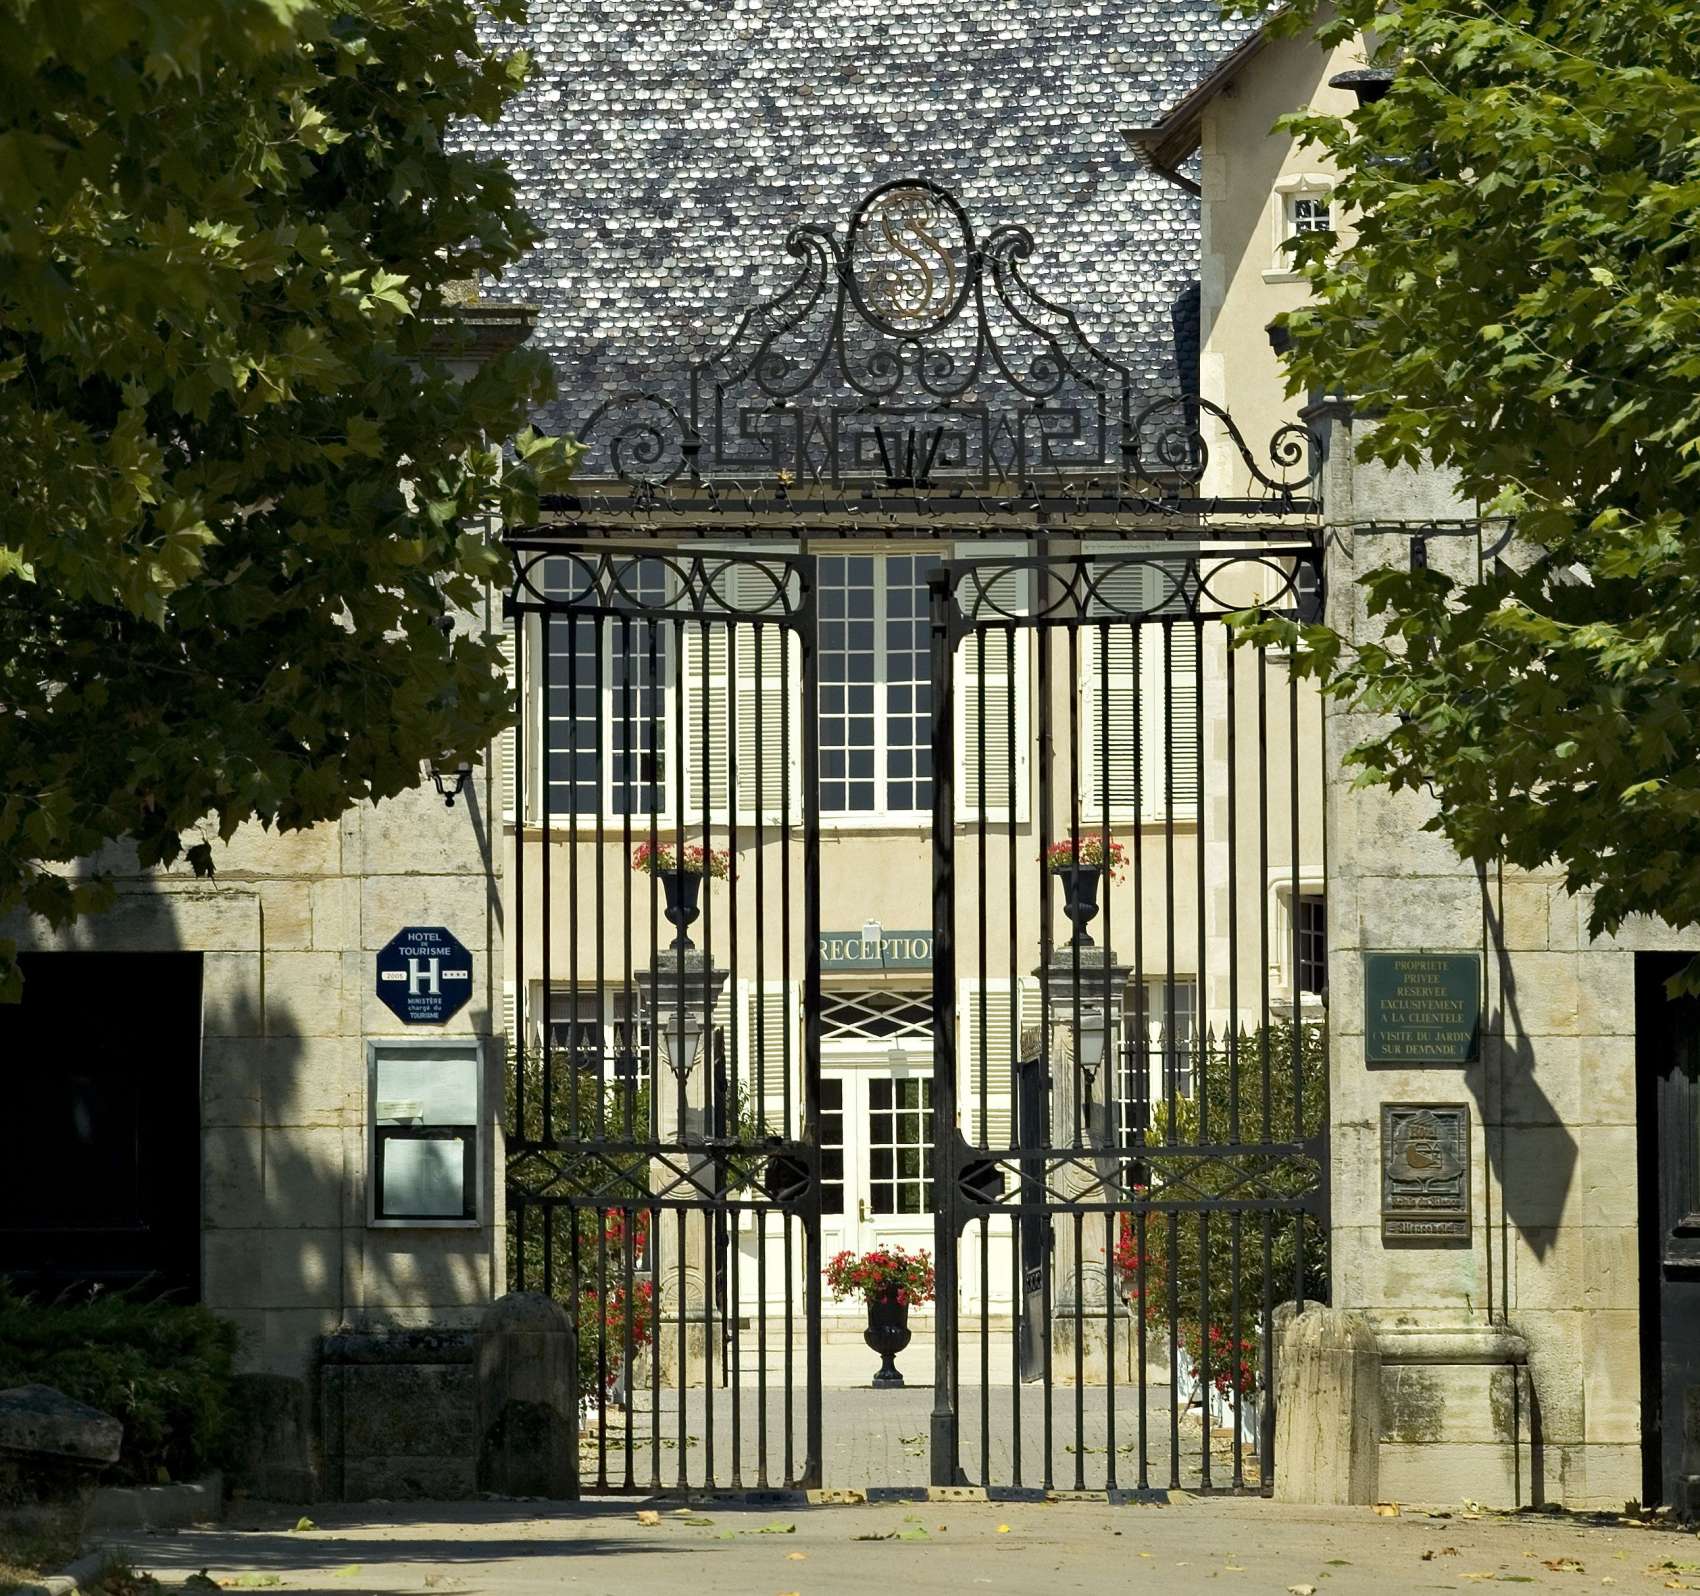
<point x="288" y="928"/>
<point x="1510" y="1360"/>
<point x="397" y="1415"/>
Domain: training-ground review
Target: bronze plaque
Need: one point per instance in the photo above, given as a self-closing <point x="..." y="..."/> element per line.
<point x="1422" y="1008"/>
<point x="1425" y="1172"/>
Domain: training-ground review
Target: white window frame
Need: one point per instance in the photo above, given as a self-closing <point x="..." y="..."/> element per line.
<point x="678" y="677"/>
<point x="1283" y="976"/>
<point x="879" y="818"/>
<point x="469" y="1048"/>
<point x="1296" y="186"/>
<point x="1156" y="1009"/>
<point x="679" y="670"/>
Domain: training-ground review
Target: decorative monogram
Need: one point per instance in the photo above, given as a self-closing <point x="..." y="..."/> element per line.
<point x="906" y="264"/>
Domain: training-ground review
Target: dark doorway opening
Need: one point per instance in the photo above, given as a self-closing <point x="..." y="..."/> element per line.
<point x="1668" y="1116"/>
<point x="101" y="1181"/>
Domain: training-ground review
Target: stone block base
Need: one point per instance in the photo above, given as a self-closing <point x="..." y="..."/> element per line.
<point x="1092" y="1338"/>
<point x="271" y="1447"/>
<point x="1455" y="1422"/>
<point x="702" y="1341"/>
<point x="398" y="1415"/>
<point x="1327" y="1409"/>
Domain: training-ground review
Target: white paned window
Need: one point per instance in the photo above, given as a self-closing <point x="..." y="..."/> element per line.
<point x="1161" y="1043"/>
<point x="613" y="715"/>
<point x="1313" y="943"/>
<point x="606" y="705"/>
<point x="876" y="684"/>
<point x="619" y="740"/>
<point x="1142" y="690"/>
<point x="1307" y="213"/>
<point x="900" y="1144"/>
<point x="597" y="1039"/>
<point x="832" y="1144"/>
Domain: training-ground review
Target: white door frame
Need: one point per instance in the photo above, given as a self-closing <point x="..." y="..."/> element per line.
<point x="858" y="1228"/>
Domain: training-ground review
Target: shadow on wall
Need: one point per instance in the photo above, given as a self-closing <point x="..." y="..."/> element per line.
<point x="1530" y="1149"/>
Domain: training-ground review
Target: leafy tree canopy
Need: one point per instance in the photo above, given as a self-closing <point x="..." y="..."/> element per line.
<point x="1517" y="299"/>
<point x="239" y="481"/>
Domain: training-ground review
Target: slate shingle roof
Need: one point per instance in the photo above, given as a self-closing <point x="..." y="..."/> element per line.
<point x="668" y="145"/>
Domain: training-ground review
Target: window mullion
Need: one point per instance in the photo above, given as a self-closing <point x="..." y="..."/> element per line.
<point x="882" y="671"/>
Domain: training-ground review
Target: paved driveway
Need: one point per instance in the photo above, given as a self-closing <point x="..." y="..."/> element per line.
<point x="920" y="1548"/>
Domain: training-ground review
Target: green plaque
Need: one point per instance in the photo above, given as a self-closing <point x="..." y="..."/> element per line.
<point x="1422" y="1008"/>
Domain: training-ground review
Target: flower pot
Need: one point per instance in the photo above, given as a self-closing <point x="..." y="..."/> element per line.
<point x="887" y="1334"/>
<point x="684" y="893"/>
<point x="1080" y="898"/>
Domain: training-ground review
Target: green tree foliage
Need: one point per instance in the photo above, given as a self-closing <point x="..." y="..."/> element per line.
<point x="1517" y="299"/>
<point x="1207" y="1273"/>
<point x="162" y="1369"/>
<point x="590" y="1247"/>
<point x="239" y="481"/>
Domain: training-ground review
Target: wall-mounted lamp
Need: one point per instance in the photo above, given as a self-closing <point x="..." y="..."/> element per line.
<point x="1092" y="1036"/>
<point x="1369" y="84"/>
<point x="450" y="784"/>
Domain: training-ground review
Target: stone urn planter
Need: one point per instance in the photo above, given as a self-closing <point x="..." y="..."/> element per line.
<point x="683" y="894"/>
<point x="682" y="869"/>
<point x="887" y="1334"/>
<point x="1080" y="899"/>
<point x="890" y="1281"/>
<point x="1080" y="866"/>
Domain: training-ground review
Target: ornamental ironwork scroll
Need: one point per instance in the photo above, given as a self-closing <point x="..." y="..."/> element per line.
<point x="910" y="362"/>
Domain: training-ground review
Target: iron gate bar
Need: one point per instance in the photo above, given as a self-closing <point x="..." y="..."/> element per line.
<point x="591" y="1167"/>
<point x="1066" y="603"/>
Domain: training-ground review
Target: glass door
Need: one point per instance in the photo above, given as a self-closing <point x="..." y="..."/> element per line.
<point x="876" y="1163"/>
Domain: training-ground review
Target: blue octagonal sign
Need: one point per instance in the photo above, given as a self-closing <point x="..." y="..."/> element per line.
<point x="424" y="974"/>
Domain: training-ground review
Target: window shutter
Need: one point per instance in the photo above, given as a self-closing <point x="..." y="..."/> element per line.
<point x="1113" y="699"/>
<point x="510" y="1018"/>
<point x="769" y="678"/>
<point x="507" y="750"/>
<point x="706" y="766"/>
<point x="770" y="1034"/>
<point x="1003" y="1009"/>
<point x="989" y="701"/>
<point x="724" y="669"/>
<point x="1180" y="735"/>
<point x="1149" y="730"/>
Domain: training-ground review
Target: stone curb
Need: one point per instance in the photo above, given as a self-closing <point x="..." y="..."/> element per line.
<point x="137" y="1508"/>
<point x="68" y="1581"/>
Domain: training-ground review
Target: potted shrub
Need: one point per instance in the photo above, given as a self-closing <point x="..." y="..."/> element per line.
<point x="891" y="1282"/>
<point x="1080" y="866"/>
<point x="681" y="870"/>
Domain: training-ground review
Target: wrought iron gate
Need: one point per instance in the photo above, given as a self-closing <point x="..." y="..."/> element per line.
<point x="1122" y="1148"/>
<point x="668" y="1105"/>
<point x="1152" y="1169"/>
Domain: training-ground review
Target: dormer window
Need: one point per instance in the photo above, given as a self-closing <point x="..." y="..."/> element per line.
<point x="1306" y="213"/>
<point x="1302" y="206"/>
